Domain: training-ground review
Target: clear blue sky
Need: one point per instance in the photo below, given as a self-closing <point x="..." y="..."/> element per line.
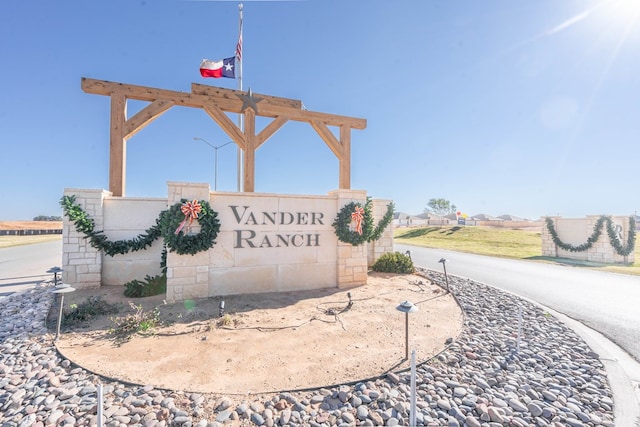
<point x="528" y="107"/>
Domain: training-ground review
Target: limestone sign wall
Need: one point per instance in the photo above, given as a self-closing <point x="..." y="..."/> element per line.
<point x="266" y="243"/>
<point x="576" y="231"/>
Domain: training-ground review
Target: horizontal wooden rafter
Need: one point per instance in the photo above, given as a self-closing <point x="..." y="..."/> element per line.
<point x="230" y="94"/>
<point x="225" y="103"/>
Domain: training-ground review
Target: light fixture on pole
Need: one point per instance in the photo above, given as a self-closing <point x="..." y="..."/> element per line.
<point x="55" y="271"/>
<point x="406" y="307"/>
<point x="215" y="148"/>
<point x="61" y="289"/>
<point x="446" y="279"/>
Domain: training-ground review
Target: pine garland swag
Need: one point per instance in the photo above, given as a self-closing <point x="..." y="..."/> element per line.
<point x="384" y="223"/>
<point x="597" y="231"/>
<point x="342" y="223"/>
<point x="86" y="225"/>
<point x="165" y="226"/>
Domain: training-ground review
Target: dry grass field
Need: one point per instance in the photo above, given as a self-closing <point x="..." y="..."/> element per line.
<point x="8" y="241"/>
<point x="30" y="225"/>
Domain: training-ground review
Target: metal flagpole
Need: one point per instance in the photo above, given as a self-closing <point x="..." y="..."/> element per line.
<point x="240" y="115"/>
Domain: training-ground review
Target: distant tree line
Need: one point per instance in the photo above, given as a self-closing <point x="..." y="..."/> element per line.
<point x="440" y="207"/>
<point x="47" y="218"/>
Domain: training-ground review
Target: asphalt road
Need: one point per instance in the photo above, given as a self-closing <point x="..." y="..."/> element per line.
<point x="22" y="267"/>
<point x="606" y="302"/>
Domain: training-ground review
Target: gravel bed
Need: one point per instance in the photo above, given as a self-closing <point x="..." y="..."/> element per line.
<point x="513" y="365"/>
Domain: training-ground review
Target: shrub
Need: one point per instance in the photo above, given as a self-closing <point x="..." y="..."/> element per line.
<point x="150" y="286"/>
<point x="93" y="306"/>
<point x="394" y="262"/>
<point x="138" y="321"/>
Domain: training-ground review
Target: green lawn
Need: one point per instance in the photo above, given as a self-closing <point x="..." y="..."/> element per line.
<point x="499" y="242"/>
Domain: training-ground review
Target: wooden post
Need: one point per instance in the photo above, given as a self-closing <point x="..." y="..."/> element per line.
<point x="118" y="145"/>
<point x="345" y="160"/>
<point x="250" y="150"/>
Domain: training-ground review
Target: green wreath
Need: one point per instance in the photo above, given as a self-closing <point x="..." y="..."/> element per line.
<point x="183" y="243"/>
<point x="342" y="223"/>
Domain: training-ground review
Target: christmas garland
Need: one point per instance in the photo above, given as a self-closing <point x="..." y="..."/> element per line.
<point x="166" y="225"/>
<point x="597" y="230"/>
<point x="85" y="224"/>
<point x="364" y="230"/>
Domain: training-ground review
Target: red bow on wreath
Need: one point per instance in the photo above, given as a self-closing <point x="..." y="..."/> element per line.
<point x="190" y="211"/>
<point x="357" y="216"/>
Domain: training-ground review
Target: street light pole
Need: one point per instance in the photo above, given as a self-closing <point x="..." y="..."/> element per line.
<point x="215" y="148"/>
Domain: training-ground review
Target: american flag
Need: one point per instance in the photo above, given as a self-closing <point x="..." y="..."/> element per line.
<point x="239" y="47"/>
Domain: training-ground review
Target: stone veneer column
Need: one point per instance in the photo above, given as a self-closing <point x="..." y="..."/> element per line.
<point x="352" y="260"/>
<point x="82" y="263"/>
<point x="549" y="248"/>
<point x="187" y="275"/>
<point x="385" y="243"/>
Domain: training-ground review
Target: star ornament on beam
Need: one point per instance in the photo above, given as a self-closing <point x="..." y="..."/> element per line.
<point x="248" y="100"/>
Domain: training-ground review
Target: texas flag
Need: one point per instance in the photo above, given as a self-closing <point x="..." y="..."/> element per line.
<point x="223" y="68"/>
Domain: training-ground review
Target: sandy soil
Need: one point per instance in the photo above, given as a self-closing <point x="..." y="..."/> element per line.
<point x="270" y="342"/>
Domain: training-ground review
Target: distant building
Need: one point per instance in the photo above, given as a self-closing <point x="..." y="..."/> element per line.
<point x="485" y="217"/>
<point x="512" y="218"/>
<point x="401" y="219"/>
<point x="425" y="219"/>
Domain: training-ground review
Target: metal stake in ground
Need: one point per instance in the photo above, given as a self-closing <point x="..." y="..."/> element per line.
<point x="412" y="410"/>
<point x="406" y="307"/>
<point x="61" y="289"/>
<point x="446" y="279"/>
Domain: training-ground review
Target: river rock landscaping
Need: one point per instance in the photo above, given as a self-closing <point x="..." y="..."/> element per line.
<point x="499" y="372"/>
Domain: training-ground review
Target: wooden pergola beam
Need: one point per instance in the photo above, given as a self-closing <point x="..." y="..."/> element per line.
<point x="216" y="102"/>
<point x="227" y="100"/>
<point x="226" y="124"/>
<point x="146" y="116"/>
<point x="323" y="131"/>
<point x="269" y="130"/>
<point x="229" y="94"/>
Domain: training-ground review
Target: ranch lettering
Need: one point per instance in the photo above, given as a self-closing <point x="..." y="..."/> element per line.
<point x="251" y="239"/>
<point x="246" y="217"/>
<point x="248" y="238"/>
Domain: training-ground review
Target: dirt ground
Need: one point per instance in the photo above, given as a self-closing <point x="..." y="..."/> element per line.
<point x="269" y="342"/>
